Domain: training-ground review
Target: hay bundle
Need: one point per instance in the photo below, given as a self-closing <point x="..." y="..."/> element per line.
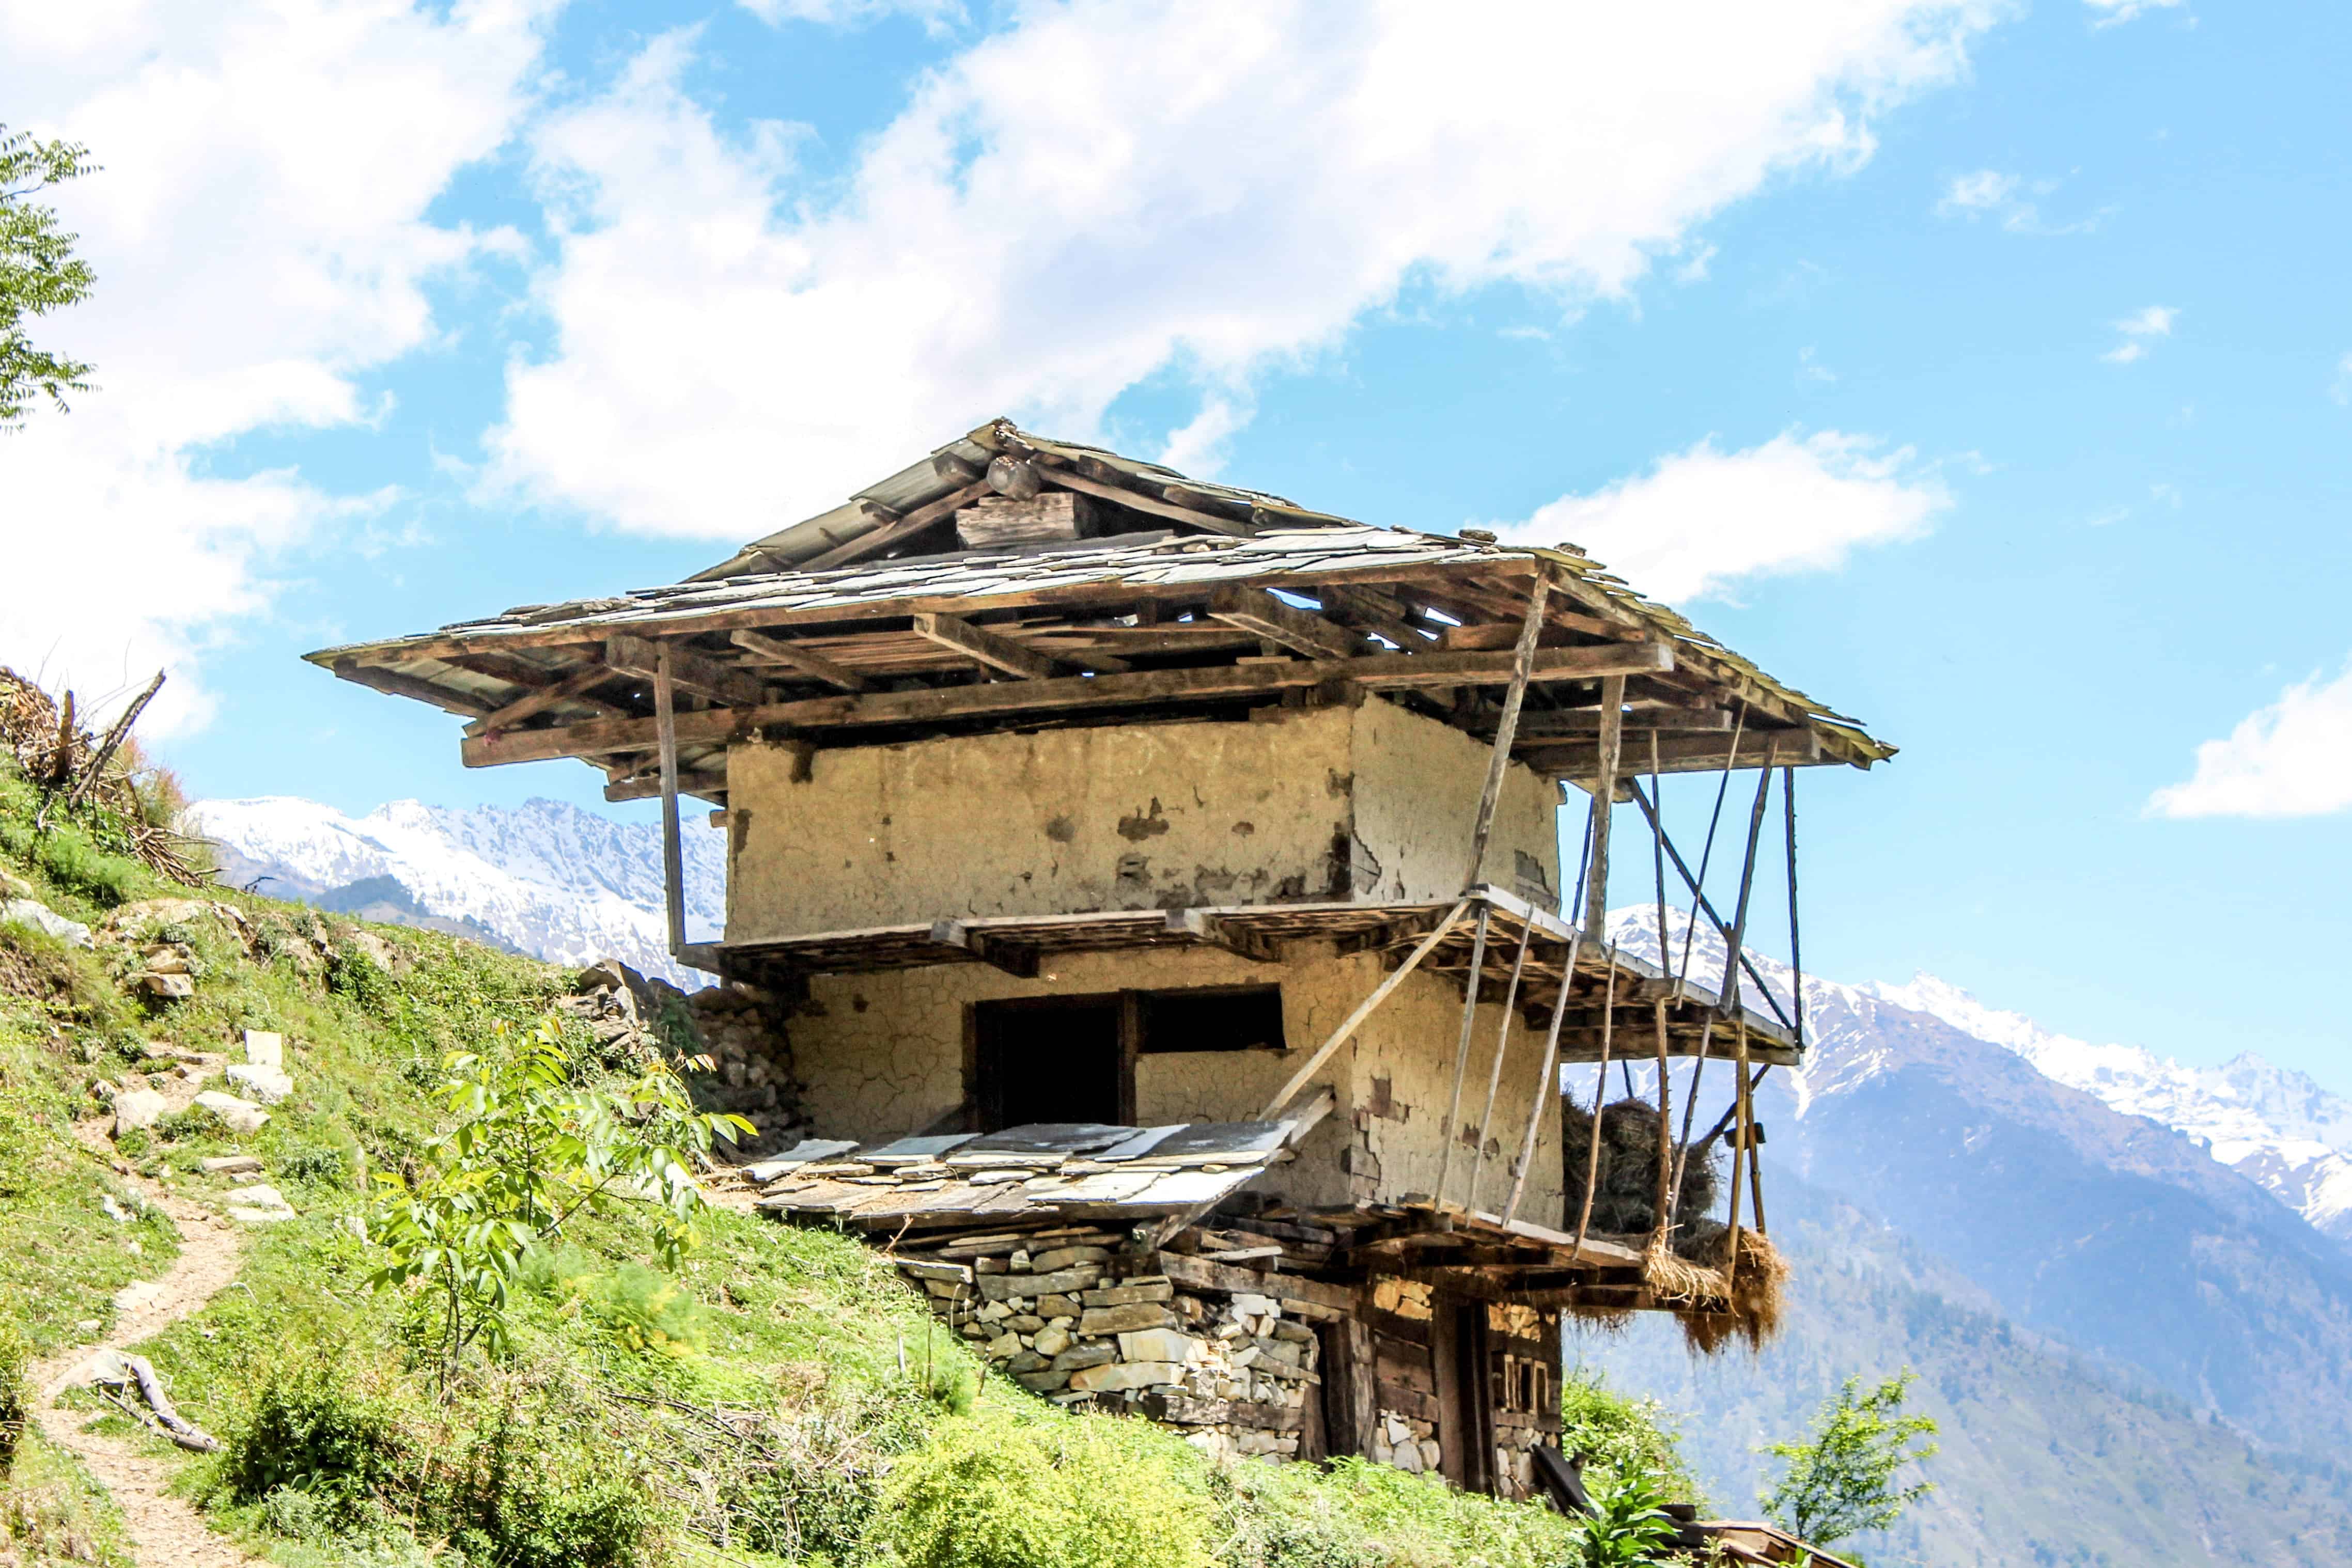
<point x="1626" y="1199"/>
<point x="103" y="780"/>
<point x="1754" y="1306"/>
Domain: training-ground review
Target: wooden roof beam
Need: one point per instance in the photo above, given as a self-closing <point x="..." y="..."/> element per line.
<point x="570" y="688"/>
<point x="1010" y="957"/>
<point x="984" y="647"/>
<point x="696" y="672"/>
<point x="893" y="530"/>
<point x="807" y="661"/>
<point x="1255" y="610"/>
<point x="392" y="682"/>
<point x="1685" y="754"/>
<point x="1143" y="503"/>
<point x="1385" y="671"/>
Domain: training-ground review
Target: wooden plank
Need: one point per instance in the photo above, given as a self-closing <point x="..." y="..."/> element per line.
<point x="1350" y="1386"/>
<point x="673" y="852"/>
<point x="1410" y="1402"/>
<point x="807" y="661"/>
<point x="1013" y="957"/>
<point x="718" y="727"/>
<point x="392" y="682"/>
<point x="1456" y="1434"/>
<point x="1143" y="503"/>
<point x="997" y="520"/>
<point x="898" y="532"/>
<point x="1683" y="753"/>
<point x="1255" y="610"/>
<point x="1604" y="796"/>
<point x="986" y="647"/>
<point x="1575" y="724"/>
<point x="531" y="704"/>
<point x="1196" y="1273"/>
<point x="703" y="676"/>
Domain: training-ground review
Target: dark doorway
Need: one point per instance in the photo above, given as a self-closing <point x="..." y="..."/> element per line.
<point x="1050" y="1059"/>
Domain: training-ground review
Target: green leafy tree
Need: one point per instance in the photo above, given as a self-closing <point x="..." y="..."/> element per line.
<point x="533" y="1148"/>
<point x="1629" y="1526"/>
<point x="1844" y="1479"/>
<point x="38" y="270"/>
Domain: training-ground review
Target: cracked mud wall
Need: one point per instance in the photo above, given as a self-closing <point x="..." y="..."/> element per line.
<point x="883" y="1054"/>
<point x="1149" y="816"/>
<point x="1370" y="802"/>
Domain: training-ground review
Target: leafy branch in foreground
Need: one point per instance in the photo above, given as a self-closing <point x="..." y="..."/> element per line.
<point x="1844" y="1480"/>
<point x="533" y="1149"/>
<point x="1629" y="1526"/>
<point x="38" y="270"/>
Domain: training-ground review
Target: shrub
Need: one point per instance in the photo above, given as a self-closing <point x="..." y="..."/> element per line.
<point x="311" y="1432"/>
<point x="1092" y="1492"/>
<point x="73" y="861"/>
<point x="316" y="1167"/>
<point x="15" y="1393"/>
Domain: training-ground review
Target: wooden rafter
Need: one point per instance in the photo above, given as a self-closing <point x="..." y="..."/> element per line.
<point x="807" y="661"/>
<point x="984" y="647"/>
<point x="689" y="670"/>
<point x="898" y="530"/>
<point x="1255" y="610"/>
<point x="1386" y="672"/>
<point x="576" y="684"/>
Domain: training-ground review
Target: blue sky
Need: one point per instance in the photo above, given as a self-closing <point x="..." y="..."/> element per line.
<point x="1983" y="370"/>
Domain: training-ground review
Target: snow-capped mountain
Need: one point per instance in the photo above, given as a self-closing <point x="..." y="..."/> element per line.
<point x="544" y="878"/>
<point x="2277" y="1127"/>
<point x="2274" y="1125"/>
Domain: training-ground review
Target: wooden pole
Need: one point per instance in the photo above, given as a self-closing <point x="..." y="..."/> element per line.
<point x="673" y="849"/>
<point x="1755" y="1162"/>
<point x="1599" y="1093"/>
<point x="1462" y="1048"/>
<point x="1499" y="763"/>
<point x="1738" y="1152"/>
<point x="1495" y="1077"/>
<point x="1657" y="852"/>
<point x="1364" y="1009"/>
<point x="1669" y="1167"/>
<point x="1547" y="1087"/>
<point x="1727" y="1006"/>
<point x="1796" y="950"/>
<point x="1604" y="796"/>
<point x="1705" y="906"/>
<point x="1707" y="850"/>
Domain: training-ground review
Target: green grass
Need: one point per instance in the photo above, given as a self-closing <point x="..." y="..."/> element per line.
<point x="782" y="1397"/>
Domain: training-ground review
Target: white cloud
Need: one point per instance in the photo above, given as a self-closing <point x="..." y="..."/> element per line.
<point x="2291" y="759"/>
<point x="1703" y="520"/>
<point x="260" y="238"/>
<point x="935" y="14"/>
<point x="2139" y="329"/>
<point x="1199" y="448"/>
<point x="2113" y="13"/>
<point x="1106" y="193"/>
<point x="1981" y="192"/>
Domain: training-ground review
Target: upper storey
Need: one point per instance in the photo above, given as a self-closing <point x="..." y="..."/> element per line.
<point x="1009" y="583"/>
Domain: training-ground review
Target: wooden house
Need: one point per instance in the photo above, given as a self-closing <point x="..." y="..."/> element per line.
<point x="1164" y="887"/>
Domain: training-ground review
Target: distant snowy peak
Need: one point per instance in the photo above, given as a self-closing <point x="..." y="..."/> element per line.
<point x="545" y="878"/>
<point x="2274" y="1125"/>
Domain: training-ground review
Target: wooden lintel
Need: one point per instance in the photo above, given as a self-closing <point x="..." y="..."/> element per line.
<point x="1203" y="926"/>
<point x="986" y="647"/>
<point x="720" y="727"/>
<point x="1255" y="610"/>
<point x="1010" y="957"/>
<point x="777" y="650"/>
<point x="705" y="677"/>
<point x="392" y="682"/>
<point x="1685" y="754"/>
<point x="1537" y="728"/>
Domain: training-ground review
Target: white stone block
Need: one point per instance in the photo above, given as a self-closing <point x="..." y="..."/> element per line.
<point x="265" y="1048"/>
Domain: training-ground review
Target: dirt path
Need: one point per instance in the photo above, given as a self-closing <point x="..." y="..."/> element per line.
<point x="163" y="1529"/>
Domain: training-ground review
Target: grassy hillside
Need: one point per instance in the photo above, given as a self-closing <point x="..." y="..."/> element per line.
<point x="2046" y="1459"/>
<point x="778" y="1396"/>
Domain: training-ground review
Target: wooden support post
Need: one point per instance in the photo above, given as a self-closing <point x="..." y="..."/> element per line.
<point x="1796" y="950"/>
<point x="1352" y="1405"/>
<point x="1738" y="1150"/>
<point x="1604" y="796"/>
<point x="1657" y="852"/>
<point x="1755" y="1162"/>
<point x="1600" y="1096"/>
<point x="1494" y="1076"/>
<point x="1462" y="1050"/>
<point x="1727" y="1006"/>
<point x="1546" y="1086"/>
<point x="673" y="848"/>
<point x="1499" y="762"/>
<point x="1669" y="1167"/>
<point x="1707" y="850"/>
<point x="1364" y="1009"/>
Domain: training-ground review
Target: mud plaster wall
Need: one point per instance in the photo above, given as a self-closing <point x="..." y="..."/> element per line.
<point x="883" y="1054"/>
<point x="1417" y="783"/>
<point x="1128" y="817"/>
<point x="1371" y="803"/>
